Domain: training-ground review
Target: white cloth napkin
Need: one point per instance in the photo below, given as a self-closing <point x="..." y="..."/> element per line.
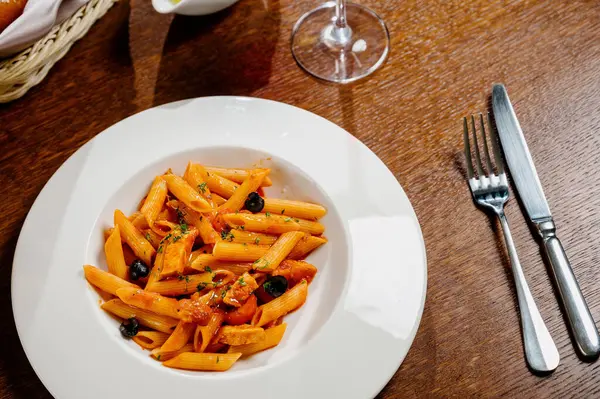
<point x="39" y="16"/>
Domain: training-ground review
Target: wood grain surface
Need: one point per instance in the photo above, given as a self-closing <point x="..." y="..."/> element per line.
<point x="444" y="58"/>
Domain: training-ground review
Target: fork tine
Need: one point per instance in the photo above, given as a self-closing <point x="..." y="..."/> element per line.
<point x="467" y="150"/>
<point x="488" y="159"/>
<point x="495" y="147"/>
<point x="476" y="144"/>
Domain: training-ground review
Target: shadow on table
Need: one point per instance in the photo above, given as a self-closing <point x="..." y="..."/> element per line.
<point x="227" y="53"/>
<point x="18" y="377"/>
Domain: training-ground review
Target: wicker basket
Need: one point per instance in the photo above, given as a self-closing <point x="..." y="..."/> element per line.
<point x="26" y="69"/>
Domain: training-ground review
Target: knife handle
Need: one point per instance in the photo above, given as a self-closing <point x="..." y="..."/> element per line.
<point x="580" y="319"/>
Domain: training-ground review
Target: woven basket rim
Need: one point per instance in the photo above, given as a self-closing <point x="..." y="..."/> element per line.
<point x="27" y="68"/>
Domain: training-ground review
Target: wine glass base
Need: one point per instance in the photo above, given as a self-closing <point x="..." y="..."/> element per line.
<point x="340" y="55"/>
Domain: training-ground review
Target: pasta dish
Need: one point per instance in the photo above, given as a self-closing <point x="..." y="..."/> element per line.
<point x="204" y="272"/>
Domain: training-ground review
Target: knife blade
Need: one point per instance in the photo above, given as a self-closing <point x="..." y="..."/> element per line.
<point x="529" y="188"/>
<point x="520" y="164"/>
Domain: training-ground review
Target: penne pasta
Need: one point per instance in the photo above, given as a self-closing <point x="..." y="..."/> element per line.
<point x="182" y="285"/>
<point x="250" y="184"/>
<point x="149" y="319"/>
<point x="152" y="237"/>
<point x="200" y="309"/>
<point x="234" y="252"/>
<point x="182" y="334"/>
<point x="163" y="227"/>
<point x="236" y="268"/>
<point x="273" y="337"/>
<point x="194" y="176"/>
<point x="217" y="184"/>
<point x="278" y="252"/>
<point x="203" y="250"/>
<point x="134" y="238"/>
<point x="202" y="261"/>
<point x="105" y="281"/>
<point x="240" y="335"/>
<point x="204" y="334"/>
<point x="186" y="193"/>
<point x="161" y="355"/>
<point x="272" y="224"/>
<point x="295" y="209"/>
<point x="217" y="199"/>
<point x="203" y="361"/>
<point x="155" y="200"/>
<point x="306" y="245"/>
<point x="247" y="237"/>
<point x="113" y="249"/>
<point x="150" y="339"/>
<point x="150" y="301"/>
<point x="205" y="228"/>
<point x="138" y="220"/>
<point x="262" y="223"/>
<point x="314" y="228"/>
<point x="278" y="307"/>
<point x="236" y="175"/>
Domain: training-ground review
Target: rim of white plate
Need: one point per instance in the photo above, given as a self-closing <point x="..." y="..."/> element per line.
<point x="296" y="127"/>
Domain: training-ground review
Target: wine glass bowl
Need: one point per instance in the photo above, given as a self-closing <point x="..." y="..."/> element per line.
<point x="340" y="42"/>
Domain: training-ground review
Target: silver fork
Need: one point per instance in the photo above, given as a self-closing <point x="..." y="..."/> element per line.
<point x="490" y="191"/>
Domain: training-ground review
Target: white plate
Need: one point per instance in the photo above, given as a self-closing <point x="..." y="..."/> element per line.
<point x="363" y="308"/>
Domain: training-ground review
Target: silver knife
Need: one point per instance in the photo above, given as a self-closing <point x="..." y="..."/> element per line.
<point x="524" y="175"/>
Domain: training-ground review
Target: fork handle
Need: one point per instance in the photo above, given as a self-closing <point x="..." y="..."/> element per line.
<point x="540" y="350"/>
<point x="580" y="320"/>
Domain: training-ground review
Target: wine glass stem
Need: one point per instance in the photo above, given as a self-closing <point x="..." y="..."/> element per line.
<point x="340" y="13"/>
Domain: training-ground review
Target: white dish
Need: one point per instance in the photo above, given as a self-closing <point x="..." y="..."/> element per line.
<point x="191" y="7"/>
<point x="363" y="308"/>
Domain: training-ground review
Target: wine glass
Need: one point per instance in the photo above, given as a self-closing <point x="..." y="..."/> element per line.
<point x="340" y="42"/>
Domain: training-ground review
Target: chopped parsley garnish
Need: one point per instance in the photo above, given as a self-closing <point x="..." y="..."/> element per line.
<point x="227" y="236"/>
<point x="158" y="357"/>
<point x="175" y="239"/>
<point x="207" y="269"/>
<point x="180" y="215"/>
<point x="257" y="240"/>
<point x="242" y="228"/>
<point x="256" y="261"/>
<point x="160" y="248"/>
<point x="267" y="285"/>
<point x="268" y="214"/>
<point x="183" y="227"/>
<point x="148" y="237"/>
<point x="166" y="237"/>
<point x="287" y="220"/>
<point x="217" y="359"/>
<point x="202" y="187"/>
<point x="283" y="210"/>
<point x="297" y="220"/>
<point x="201" y="286"/>
<point x="242" y="282"/>
<point x="180" y="277"/>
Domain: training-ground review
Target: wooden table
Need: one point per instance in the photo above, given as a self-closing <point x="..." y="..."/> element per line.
<point x="445" y="55"/>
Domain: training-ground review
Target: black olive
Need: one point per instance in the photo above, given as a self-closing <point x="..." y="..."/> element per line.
<point x="129" y="328"/>
<point x="275" y="286"/>
<point x="254" y="203"/>
<point x="138" y="269"/>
